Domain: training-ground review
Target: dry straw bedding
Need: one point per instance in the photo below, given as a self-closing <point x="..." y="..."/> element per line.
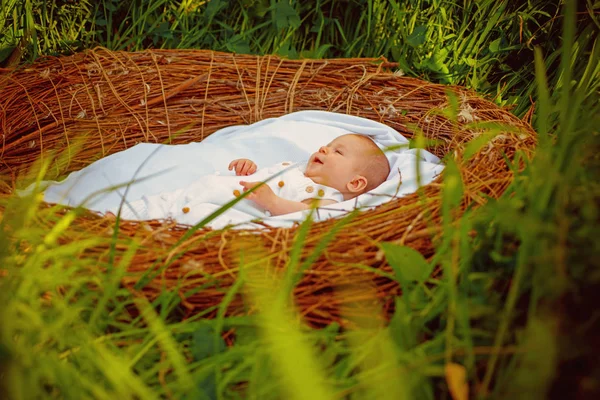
<point x="98" y="102"/>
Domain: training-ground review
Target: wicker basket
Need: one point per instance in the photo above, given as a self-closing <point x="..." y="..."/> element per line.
<point x="114" y="100"/>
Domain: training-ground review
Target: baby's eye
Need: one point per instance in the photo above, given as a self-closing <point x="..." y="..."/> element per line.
<point x="339" y="152"/>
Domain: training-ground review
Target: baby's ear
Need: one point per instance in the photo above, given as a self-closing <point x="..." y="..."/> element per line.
<point x="357" y="185"/>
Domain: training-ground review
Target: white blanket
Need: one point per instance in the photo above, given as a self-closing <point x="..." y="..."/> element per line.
<point x="156" y="168"/>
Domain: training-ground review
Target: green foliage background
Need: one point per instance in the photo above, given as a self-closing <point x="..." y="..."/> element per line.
<point x="513" y="307"/>
<point x="485" y="45"/>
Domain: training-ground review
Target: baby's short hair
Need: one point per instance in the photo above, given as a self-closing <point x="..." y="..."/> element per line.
<point x="377" y="166"/>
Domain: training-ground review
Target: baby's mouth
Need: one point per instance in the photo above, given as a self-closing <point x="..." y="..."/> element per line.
<point x="316" y="160"/>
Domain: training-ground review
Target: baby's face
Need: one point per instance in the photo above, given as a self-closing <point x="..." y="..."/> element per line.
<point x="337" y="163"/>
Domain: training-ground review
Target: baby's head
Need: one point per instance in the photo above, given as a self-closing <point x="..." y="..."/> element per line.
<point x="352" y="164"/>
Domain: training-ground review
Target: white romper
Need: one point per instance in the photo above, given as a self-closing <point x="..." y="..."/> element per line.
<point x="186" y="205"/>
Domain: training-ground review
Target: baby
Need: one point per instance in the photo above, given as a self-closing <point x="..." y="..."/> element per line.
<point x="348" y="166"/>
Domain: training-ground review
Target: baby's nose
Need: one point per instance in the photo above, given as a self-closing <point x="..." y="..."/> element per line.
<point x="323" y="149"/>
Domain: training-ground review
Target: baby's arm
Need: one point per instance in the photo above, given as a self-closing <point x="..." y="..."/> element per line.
<point x="266" y="198"/>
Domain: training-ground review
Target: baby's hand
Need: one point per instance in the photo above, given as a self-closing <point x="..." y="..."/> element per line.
<point x="243" y="166"/>
<point x="263" y="196"/>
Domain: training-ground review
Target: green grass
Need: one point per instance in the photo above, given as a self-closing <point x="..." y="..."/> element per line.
<point x="485" y="45"/>
<point x="512" y="308"/>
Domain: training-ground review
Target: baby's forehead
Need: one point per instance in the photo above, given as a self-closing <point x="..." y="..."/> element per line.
<point x="358" y="142"/>
<point x="349" y="139"/>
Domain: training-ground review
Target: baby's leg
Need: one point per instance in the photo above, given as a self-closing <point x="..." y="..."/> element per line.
<point x="215" y="189"/>
<point x="157" y="206"/>
<point x="149" y="207"/>
<point x="210" y="189"/>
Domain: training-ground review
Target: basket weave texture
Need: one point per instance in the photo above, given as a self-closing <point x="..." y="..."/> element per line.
<point x="99" y="102"/>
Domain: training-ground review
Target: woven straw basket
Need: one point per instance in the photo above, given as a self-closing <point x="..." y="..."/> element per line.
<point x="96" y="103"/>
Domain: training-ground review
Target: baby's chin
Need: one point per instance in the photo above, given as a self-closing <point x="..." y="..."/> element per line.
<point x="315" y="176"/>
<point x="321" y="180"/>
<point x="311" y="171"/>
